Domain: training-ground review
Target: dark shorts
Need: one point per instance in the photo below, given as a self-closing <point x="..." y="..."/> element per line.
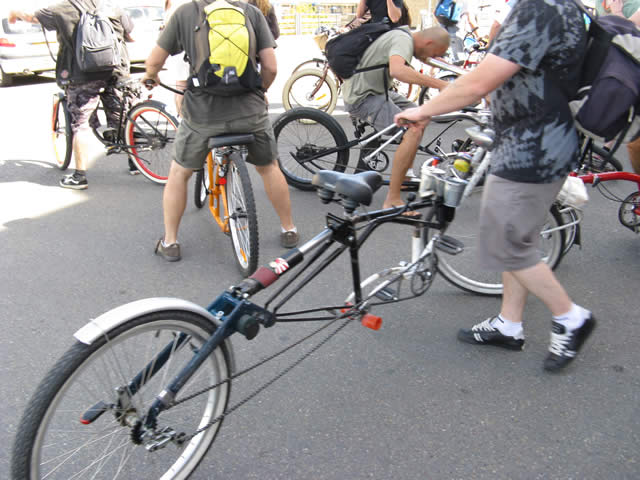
<point x="83" y="98"/>
<point x="191" y="144"/>
<point x="511" y="218"/>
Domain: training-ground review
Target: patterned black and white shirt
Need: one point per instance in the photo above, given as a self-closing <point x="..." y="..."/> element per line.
<point x="536" y="141"/>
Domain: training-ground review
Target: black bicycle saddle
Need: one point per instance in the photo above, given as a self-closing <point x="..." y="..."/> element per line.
<point x="231" y="140"/>
<point x="358" y="187"/>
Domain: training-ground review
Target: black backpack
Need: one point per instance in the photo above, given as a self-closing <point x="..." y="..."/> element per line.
<point x="344" y="51"/>
<point x="96" y="43"/>
<point x="606" y="103"/>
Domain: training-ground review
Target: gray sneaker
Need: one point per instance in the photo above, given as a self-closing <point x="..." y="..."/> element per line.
<point x="289" y="239"/>
<point x="170" y="253"/>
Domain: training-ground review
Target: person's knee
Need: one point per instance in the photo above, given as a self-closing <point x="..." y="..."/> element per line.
<point x="634" y="154"/>
<point x="179" y="173"/>
<point x="268" y="169"/>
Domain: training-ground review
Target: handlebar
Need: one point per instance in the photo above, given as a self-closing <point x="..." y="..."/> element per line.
<point x="445" y="66"/>
<point x="477" y="116"/>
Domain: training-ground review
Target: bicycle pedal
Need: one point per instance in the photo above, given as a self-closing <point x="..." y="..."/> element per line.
<point x="449" y="245"/>
<point x="94" y="413"/>
<point x="387" y="294"/>
<point x="371" y="321"/>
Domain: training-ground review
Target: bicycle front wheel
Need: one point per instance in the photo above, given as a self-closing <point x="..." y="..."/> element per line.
<point x="304" y="133"/>
<point x="462" y="270"/>
<point x="61" y="130"/>
<point x="310" y="88"/>
<point x="150" y="133"/>
<point x="86" y="418"/>
<point x="243" y="219"/>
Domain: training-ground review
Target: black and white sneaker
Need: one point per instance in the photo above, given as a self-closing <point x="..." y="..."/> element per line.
<point x="75" y="182"/>
<point x="133" y="169"/>
<point x="565" y="344"/>
<point x="485" y="333"/>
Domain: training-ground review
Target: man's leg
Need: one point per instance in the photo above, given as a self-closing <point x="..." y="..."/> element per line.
<point x="174" y="201"/>
<point x="275" y="185"/>
<point x="82" y="102"/>
<point x="402" y="160"/>
<point x="634" y="154"/>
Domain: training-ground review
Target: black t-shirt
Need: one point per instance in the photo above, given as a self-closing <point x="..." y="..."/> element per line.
<point x="63" y="17"/>
<point x="378" y="9"/>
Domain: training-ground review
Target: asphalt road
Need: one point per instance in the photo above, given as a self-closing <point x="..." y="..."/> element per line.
<point x="406" y="402"/>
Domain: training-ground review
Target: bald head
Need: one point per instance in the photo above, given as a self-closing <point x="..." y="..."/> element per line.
<point x="430" y="42"/>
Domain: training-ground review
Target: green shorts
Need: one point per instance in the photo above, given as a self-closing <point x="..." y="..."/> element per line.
<point x="191" y="143"/>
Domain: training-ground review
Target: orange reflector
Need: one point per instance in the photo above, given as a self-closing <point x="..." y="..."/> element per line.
<point x="371" y="321"/>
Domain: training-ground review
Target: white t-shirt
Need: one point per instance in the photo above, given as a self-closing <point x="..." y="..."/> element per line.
<point x="502" y="9"/>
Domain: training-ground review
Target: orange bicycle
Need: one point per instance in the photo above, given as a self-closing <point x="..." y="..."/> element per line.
<point x="225" y="181"/>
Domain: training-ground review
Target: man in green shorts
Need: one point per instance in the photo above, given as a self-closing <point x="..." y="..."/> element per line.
<point x="205" y="115"/>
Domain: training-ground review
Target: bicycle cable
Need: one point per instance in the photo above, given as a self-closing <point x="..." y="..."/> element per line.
<point x="346" y="316"/>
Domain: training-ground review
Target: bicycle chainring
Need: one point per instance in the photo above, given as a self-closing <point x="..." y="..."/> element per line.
<point x="423" y="275"/>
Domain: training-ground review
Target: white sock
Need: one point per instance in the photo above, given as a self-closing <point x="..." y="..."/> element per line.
<point x="507" y="327"/>
<point x="574" y="318"/>
<point x="294" y="229"/>
<point x="165" y="245"/>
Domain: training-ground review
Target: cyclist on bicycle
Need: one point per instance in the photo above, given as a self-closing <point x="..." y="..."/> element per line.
<point x="365" y="96"/>
<point x="206" y="115"/>
<point x="84" y="90"/>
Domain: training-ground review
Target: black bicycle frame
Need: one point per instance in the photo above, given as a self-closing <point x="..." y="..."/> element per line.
<point x="237" y="314"/>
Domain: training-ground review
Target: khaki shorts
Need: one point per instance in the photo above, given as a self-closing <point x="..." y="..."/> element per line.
<point x="191" y="143"/>
<point x="376" y="110"/>
<point x="512" y="215"/>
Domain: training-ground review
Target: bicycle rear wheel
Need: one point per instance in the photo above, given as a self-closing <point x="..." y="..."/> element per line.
<point x="53" y="443"/>
<point x="310" y="88"/>
<point x="305" y="132"/>
<point x="462" y="270"/>
<point x="150" y="132"/>
<point x="243" y="219"/>
<point x="61" y="130"/>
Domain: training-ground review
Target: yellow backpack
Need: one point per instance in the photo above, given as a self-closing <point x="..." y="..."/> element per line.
<point x="226" y="57"/>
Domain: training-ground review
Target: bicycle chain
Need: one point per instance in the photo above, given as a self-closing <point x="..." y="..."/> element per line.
<point x="347" y="317"/>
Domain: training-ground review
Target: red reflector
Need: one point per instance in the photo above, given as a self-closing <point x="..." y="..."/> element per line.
<point x="85" y="422"/>
<point x="6" y="43"/>
<point x="223" y="181"/>
<point x="371" y="321"/>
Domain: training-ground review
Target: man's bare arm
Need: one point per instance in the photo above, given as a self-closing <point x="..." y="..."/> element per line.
<point x="394" y="12"/>
<point x="269" y="66"/>
<point x="399" y="70"/>
<point x="15" y="15"/>
<point x="154" y="63"/>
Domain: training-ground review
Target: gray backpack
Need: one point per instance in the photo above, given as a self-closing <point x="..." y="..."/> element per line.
<point x="96" y="43"/>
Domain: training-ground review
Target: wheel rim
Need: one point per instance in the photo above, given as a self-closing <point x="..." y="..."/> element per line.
<point x="57" y="451"/>
<point x="301" y="93"/>
<point x="59" y="134"/>
<point x="238" y="217"/>
<point x="153" y="133"/>
<point x="301" y="139"/>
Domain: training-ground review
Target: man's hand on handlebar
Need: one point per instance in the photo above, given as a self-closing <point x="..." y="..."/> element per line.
<point x="150" y="81"/>
<point x="412" y="118"/>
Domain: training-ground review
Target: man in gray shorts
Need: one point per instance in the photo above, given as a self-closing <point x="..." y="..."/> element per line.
<point x="205" y="115"/>
<point x="365" y="96"/>
<point x="533" y="61"/>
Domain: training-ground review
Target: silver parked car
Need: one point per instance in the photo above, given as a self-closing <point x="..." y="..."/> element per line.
<point x="23" y="50"/>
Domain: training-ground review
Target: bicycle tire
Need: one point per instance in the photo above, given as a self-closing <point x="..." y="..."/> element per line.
<point x="52" y="443"/>
<point x="461" y="270"/>
<point x="201" y="186"/>
<point x="150" y="132"/>
<point x="426" y="93"/>
<point x="606" y="155"/>
<point x="297" y="91"/>
<point x="243" y="218"/>
<point x="306" y="131"/>
<point x="317" y="63"/>
<point x="61" y="132"/>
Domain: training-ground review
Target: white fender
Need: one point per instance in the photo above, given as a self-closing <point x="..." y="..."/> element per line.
<point x="106" y="322"/>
